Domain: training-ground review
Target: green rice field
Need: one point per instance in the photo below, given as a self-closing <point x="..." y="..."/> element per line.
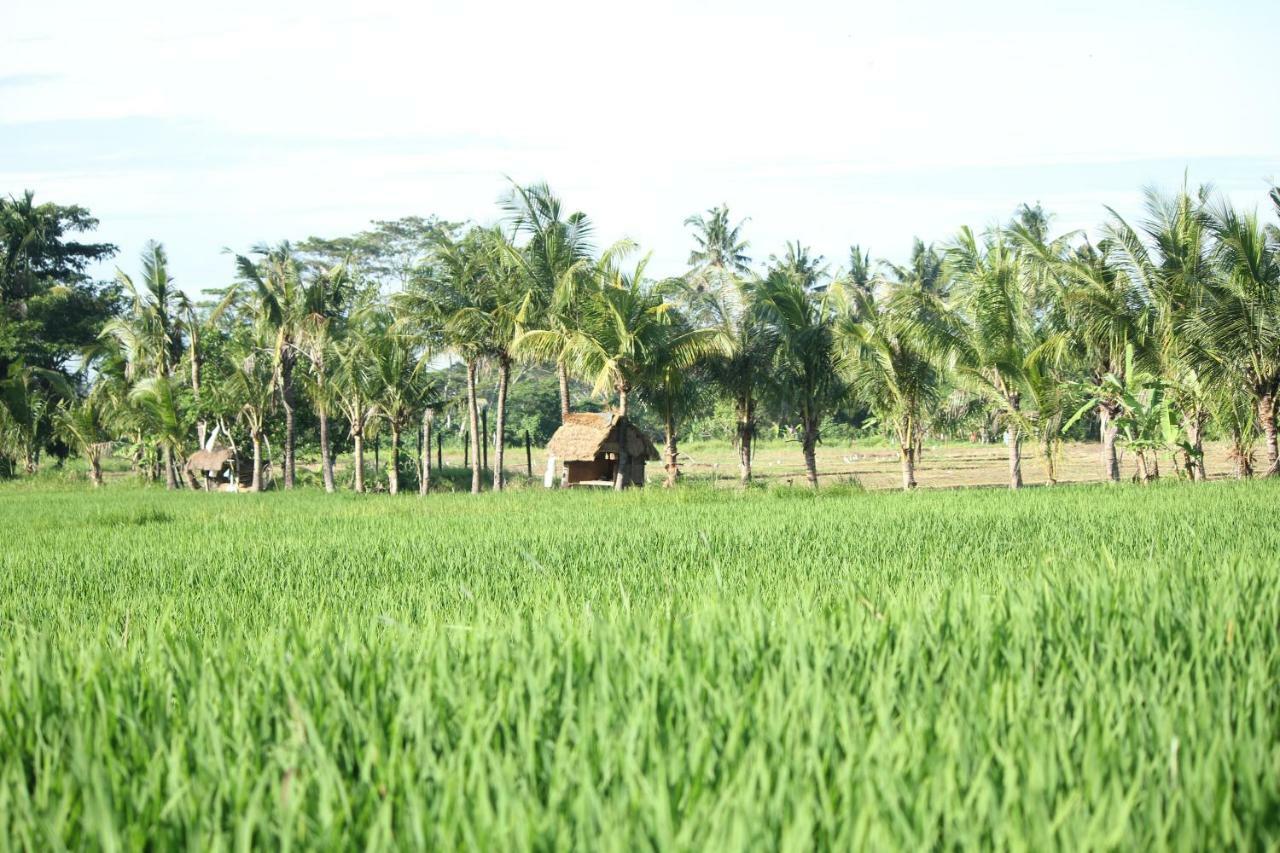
<point x="1082" y="667"/>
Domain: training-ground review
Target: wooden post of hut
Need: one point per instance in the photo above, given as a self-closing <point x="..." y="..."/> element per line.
<point x="528" y="454"/>
<point x="600" y="449"/>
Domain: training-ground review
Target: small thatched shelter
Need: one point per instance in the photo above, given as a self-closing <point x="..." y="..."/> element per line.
<point x="217" y="465"/>
<point x="599" y="449"/>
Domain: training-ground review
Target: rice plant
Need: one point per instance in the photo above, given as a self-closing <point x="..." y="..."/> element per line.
<point x="1079" y="667"/>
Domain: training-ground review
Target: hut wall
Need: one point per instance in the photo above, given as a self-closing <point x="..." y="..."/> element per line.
<point x="596" y="469"/>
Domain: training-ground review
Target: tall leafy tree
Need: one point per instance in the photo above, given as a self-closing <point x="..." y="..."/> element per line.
<point x="1103" y="314"/>
<point x="451" y="303"/>
<point x="326" y="295"/>
<point x="991" y="335"/>
<point x="889" y="362"/>
<point x="355" y="387"/>
<point x="400" y="388"/>
<point x="28" y="397"/>
<point x="1170" y="256"/>
<point x="801" y="324"/>
<point x="1239" y="323"/>
<point x="248" y="391"/>
<point x="799" y="264"/>
<point x="742" y="365"/>
<point x="280" y="305"/>
<point x="557" y="261"/>
<point x="50" y="307"/>
<point x="718" y="243"/>
<point x="150" y="335"/>
<point x="85" y="425"/>
<point x="924" y="271"/>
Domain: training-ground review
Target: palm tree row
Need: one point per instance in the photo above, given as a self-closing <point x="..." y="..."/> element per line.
<point x="1158" y="334"/>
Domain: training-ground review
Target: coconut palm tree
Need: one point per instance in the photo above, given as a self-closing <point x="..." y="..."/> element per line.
<point x="165" y="402"/>
<point x="1238" y="326"/>
<point x="150" y="337"/>
<point x="1102" y="314"/>
<point x="400" y="387"/>
<point x="28" y="396"/>
<point x="556" y="261"/>
<point x="798" y="262"/>
<point x="888" y="362"/>
<point x="1170" y="256"/>
<point x="991" y="335"/>
<point x="505" y="311"/>
<point x="925" y="271"/>
<point x="325" y="294"/>
<point x="85" y="426"/>
<point x="800" y="321"/>
<point x="739" y="369"/>
<point x="247" y="392"/>
<point x="718" y="244"/>
<point x="355" y="386"/>
<point x="279" y="297"/>
<point x="859" y="275"/>
<point x="451" y="304"/>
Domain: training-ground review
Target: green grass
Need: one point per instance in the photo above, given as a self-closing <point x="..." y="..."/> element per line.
<point x="1074" y="668"/>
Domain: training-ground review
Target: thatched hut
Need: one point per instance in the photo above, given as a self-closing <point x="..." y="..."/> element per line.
<point x="216" y="466"/>
<point x="599" y="449"/>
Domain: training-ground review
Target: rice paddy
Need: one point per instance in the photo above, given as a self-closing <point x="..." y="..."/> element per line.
<point x="1081" y="667"/>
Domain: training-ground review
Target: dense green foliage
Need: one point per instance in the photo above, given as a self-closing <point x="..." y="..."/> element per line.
<point x="1152" y="336"/>
<point x="1071" y="668"/>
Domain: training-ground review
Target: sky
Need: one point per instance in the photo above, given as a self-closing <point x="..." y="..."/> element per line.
<point x="212" y="126"/>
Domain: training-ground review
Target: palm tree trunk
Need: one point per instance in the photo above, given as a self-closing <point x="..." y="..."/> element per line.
<point x="190" y="476"/>
<point x="1015" y="458"/>
<point x="1241" y="454"/>
<point x="393" y="473"/>
<point x="1050" y="462"/>
<point x="170" y="475"/>
<point x="202" y="426"/>
<point x="746" y="434"/>
<point x="1145" y="472"/>
<point x="256" y="483"/>
<point x="908" y="454"/>
<point x="1110" y="462"/>
<point x="326" y="457"/>
<point x="286" y="397"/>
<point x="500" y="428"/>
<point x="473" y="412"/>
<point x="424" y="485"/>
<point x="357" y="437"/>
<point x="1194" y="425"/>
<point x="1267" y="418"/>
<point x="95" y="469"/>
<point x="809" y="441"/>
<point x="562" y="372"/>
<point x="672" y="456"/>
<point x="620" y="475"/>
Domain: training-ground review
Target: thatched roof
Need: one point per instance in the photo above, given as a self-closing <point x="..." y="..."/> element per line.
<point x="209" y="460"/>
<point x="585" y="435"/>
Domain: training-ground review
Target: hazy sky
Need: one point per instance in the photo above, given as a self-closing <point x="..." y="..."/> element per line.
<point x="224" y="124"/>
